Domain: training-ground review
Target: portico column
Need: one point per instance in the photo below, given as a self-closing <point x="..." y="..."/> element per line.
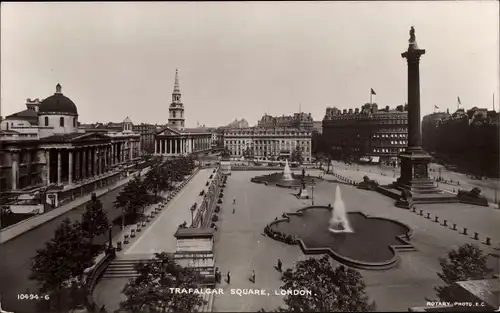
<point x="106" y="155"/>
<point x="112" y="154"/>
<point x="59" y="165"/>
<point x="70" y="166"/>
<point x="91" y="162"/>
<point x="130" y="152"/>
<point x="47" y="165"/>
<point x="83" y="168"/>
<point x="123" y="151"/>
<point x="175" y="146"/>
<point x="170" y="145"/>
<point x="163" y="147"/>
<point x="15" y="169"/>
<point x="77" y="166"/>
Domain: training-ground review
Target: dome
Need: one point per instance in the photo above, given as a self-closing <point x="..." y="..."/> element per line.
<point x="127" y="120"/>
<point x="57" y="103"/>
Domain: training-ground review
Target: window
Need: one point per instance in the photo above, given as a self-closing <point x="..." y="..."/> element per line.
<point x="74" y="121"/>
<point x="61" y="121"/>
<point x="46" y="121"/>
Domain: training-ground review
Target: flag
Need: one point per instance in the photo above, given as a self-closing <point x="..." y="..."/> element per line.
<point x="436" y="107"/>
<point x="373" y="92"/>
<point x="459" y="102"/>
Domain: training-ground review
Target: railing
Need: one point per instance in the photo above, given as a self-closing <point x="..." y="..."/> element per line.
<point x="93" y="278"/>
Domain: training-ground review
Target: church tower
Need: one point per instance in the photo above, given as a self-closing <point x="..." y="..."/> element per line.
<point x="176" y="109"/>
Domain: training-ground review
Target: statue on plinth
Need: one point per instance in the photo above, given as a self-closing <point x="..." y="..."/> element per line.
<point x="303" y="194"/>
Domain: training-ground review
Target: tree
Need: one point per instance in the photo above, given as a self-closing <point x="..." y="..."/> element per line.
<point x="134" y="196"/>
<point x="339" y="289"/>
<point x="297" y="155"/>
<point x="60" y="265"/>
<point x="94" y="220"/>
<point x="151" y="288"/>
<point x="158" y="179"/>
<point x="468" y="262"/>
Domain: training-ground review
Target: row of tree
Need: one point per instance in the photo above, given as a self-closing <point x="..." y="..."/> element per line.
<point x="161" y="177"/>
<point x="333" y="289"/>
<point x="60" y="266"/>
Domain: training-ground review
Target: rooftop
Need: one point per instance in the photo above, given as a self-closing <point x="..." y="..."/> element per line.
<point x="26" y="115"/>
<point x="194" y="233"/>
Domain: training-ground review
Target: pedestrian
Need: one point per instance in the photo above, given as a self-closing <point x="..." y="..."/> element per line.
<point x="234" y="201"/>
<point x="253" y="276"/>
<point x="233" y="210"/>
<point x="228" y="277"/>
<point x="279" y="265"/>
<point x="103" y="309"/>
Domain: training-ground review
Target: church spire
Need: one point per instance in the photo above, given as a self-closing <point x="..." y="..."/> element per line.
<point x="176" y="84"/>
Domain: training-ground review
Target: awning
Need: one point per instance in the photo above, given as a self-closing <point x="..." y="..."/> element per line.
<point x="375" y="159"/>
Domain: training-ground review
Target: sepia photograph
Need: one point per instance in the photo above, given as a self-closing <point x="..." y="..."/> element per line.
<point x="267" y="156"/>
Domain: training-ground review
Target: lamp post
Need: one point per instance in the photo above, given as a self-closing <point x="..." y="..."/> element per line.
<point x="123" y="223"/>
<point x="192" y="216"/>
<point x="312" y="191"/>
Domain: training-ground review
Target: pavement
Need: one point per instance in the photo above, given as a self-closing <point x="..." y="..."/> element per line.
<point x="17" y="252"/>
<point x="386" y="175"/>
<point x="157" y="237"/>
<point x="177" y="212"/>
<point x="240" y="246"/>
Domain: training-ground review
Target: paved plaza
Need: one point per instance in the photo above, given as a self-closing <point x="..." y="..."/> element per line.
<point x="241" y="247"/>
<point x="386" y="175"/>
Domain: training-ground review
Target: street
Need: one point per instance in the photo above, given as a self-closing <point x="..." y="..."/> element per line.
<point x="17" y="253"/>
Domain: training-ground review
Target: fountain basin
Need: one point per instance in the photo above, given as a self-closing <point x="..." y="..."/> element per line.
<point x="277" y="179"/>
<point x="373" y="243"/>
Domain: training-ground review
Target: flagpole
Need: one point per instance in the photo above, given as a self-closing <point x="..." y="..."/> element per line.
<point x="371" y="96"/>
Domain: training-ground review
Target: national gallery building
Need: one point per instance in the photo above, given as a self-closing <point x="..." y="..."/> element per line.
<point x="45" y="156"/>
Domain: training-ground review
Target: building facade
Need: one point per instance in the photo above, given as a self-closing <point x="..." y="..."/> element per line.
<point x="297" y="120"/>
<point x="267" y="143"/>
<point x="368" y="134"/>
<point x="173" y="139"/>
<point x="467" y="138"/>
<point x="51" y="154"/>
<point x="147" y="133"/>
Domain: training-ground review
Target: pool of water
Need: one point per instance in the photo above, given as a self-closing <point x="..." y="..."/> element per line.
<point x="277" y="178"/>
<point x="369" y="241"/>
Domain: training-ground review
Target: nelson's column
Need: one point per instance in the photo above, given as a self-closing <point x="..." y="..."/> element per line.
<point x="414" y="160"/>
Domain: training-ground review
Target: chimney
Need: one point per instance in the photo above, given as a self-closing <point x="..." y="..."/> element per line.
<point x="344" y="111"/>
<point x="356" y="111"/>
<point x="350" y="111"/>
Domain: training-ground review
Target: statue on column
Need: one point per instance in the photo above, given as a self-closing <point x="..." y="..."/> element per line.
<point x="412" y="35"/>
<point x="412" y="40"/>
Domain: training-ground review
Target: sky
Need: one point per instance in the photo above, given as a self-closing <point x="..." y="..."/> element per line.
<point x="245" y="59"/>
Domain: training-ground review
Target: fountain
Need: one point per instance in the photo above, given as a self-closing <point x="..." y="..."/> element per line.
<point x="287" y="173"/>
<point x="352" y="238"/>
<point x="339" y="222"/>
<point x="286" y="179"/>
